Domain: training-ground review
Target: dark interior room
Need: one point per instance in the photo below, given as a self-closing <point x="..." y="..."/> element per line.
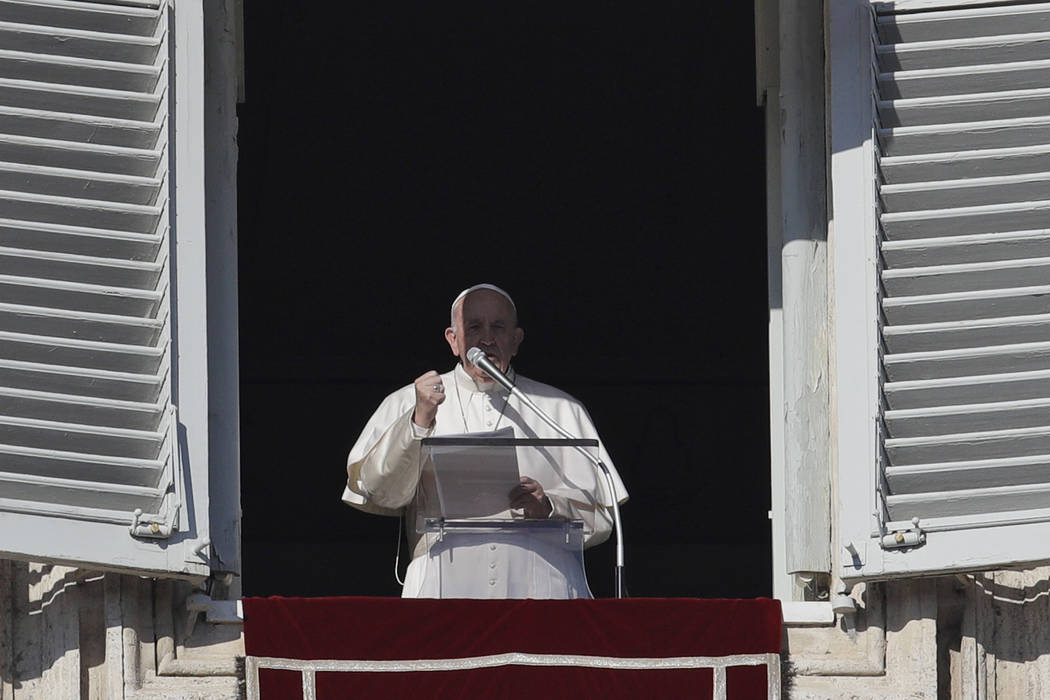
<point x="601" y="162"/>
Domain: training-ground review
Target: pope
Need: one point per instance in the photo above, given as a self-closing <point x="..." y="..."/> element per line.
<point x="383" y="468"/>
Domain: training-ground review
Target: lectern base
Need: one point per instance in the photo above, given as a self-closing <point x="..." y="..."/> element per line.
<point x="518" y="559"/>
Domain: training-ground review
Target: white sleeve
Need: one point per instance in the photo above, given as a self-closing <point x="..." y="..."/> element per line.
<point x="383" y="467"/>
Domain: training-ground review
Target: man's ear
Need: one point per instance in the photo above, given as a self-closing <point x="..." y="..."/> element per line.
<point x="450" y="337"/>
<point x="519" y="335"/>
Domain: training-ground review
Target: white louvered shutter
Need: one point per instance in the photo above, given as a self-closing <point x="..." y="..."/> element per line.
<point x="961" y="141"/>
<point x="91" y="469"/>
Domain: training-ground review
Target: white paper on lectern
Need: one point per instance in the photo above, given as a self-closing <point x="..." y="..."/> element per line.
<point x="474" y="483"/>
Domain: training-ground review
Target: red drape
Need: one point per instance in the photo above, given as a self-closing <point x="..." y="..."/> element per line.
<point x="396" y="629"/>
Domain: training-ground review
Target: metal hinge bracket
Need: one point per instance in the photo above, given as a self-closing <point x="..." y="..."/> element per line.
<point x="900" y="539"/>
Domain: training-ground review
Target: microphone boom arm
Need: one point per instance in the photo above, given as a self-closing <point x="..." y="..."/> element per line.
<point x="477" y="357"/>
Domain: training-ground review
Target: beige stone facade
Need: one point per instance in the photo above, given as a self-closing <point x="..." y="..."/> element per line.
<point x="73" y="634"/>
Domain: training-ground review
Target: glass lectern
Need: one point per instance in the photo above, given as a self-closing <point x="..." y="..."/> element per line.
<point x="478" y="547"/>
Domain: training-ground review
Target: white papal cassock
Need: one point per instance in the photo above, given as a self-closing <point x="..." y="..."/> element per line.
<point x="383" y="474"/>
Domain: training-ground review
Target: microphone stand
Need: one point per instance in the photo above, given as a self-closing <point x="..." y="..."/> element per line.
<point x="483" y="363"/>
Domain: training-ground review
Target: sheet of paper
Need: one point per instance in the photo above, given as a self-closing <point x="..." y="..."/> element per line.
<point x="473" y="481"/>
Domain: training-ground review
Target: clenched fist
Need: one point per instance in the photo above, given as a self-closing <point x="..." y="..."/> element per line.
<point x="430" y="392"/>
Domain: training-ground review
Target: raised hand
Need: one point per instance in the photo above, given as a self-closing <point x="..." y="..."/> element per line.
<point x="430" y="392"/>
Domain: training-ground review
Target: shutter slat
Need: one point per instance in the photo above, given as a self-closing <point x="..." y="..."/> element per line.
<point x="989" y="444"/>
<point x="81" y="240"/>
<point x="965" y="80"/>
<point x="988" y="162"/>
<point x="965" y="362"/>
<point x="972" y="191"/>
<point x="82" y="353"/>
<point x="1013" y="216"/>
<point x="82" y="268"/>
<point x="946" y="420"/>
<point x="953" y="250"/>
<point x="926" y="337"/>
<point x="111" y="75"/>
<point x="957" y="476"/>
<point x="59" y="323"/>
<point x="69" y="408"/>
<point x="97" y="102"/>
<point x="962" y="306"/>
<point x="1014" y="386"/>
<point x="966" y="137"/>
<point x="73" y="14"/>
<point x="76" y="466"/>
<point x="972" y="51"/>
<point x="76" y="43"/>
<point x="38" y="376"/>
<point x="944" y="111"/>
<point x="71" y="183"/>
<point x="92" y="157"/>
<point x="80" y="494"/>
<point x="75" y="437"/>
<point x="943" y="279"/>
<point x="963" y="24"/>
<point x="954" y="503"/>
<point x="82" y="128"/>
<point x="101" y="515"/>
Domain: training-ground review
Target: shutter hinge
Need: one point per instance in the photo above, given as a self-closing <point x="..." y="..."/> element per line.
<point x="900" y="539"/>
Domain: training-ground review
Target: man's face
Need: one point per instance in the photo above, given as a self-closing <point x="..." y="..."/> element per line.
<point x="487" y="320"/>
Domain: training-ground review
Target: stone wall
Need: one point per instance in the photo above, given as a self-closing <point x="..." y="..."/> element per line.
<point x="983" y="635"/>
<point x="84" y="635"/>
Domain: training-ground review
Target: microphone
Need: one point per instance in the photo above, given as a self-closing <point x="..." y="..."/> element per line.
<point x="476" y="356"/>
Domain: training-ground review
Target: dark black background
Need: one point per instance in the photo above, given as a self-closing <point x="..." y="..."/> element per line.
<point x="603" y="163"/>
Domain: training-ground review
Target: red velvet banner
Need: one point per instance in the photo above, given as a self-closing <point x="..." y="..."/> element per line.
<point x="396" y="629"/>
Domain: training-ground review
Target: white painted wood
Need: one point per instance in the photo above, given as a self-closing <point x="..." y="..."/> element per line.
<point x="951" y="250"/>
<point x="970" y="51"/>
<point x="962" y="130"/>
<point x="191" y="390"/>
<point x="999" y="545"/>
<point x="966" y="390"/>
<point x="969" y="474"/>
<point x="101" y="277"/>
<point x="1013" y="216"/>
<point x="945" y="194"/>
<point x="943" y="279"/>
<point x="925" y="337"/>
<point x="804" y="283"/>
<point x="944" y="111"/>
<point x="854" y="310"/>
<point x="959" y="22"/>
<point x="941" y="420"/>
<point x="952" y="164"/>
<point x="964" y="80"/>
<point x="1029" y="134"/>
<point x="223" y="50"/>
<point x="961" y="306"/>
<point x="967" y="361"/>
<point x="783" y="583"/>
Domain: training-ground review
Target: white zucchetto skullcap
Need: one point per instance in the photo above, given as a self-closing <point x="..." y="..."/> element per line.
<point x="475" y="288"/>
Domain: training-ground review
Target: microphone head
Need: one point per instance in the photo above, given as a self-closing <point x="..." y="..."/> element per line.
<point x="475" y="354"/>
